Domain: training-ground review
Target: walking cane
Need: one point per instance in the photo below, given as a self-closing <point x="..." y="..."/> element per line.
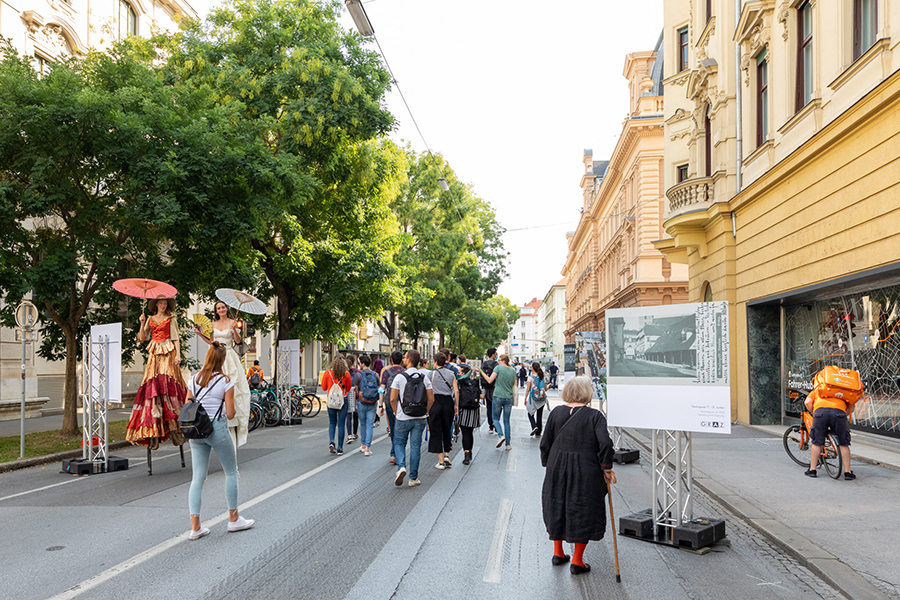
<point x="612" y="518"/>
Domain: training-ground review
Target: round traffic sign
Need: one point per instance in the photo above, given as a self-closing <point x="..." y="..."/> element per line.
<point x="26" y="314"/>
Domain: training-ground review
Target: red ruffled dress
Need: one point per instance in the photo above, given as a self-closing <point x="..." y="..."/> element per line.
<point x="157" y="405"/>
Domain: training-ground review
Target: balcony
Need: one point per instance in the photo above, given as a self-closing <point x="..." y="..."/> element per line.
<point x="688" y="196"/>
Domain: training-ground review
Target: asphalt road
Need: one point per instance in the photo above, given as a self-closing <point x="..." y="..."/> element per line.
<point x="336" y="527"/>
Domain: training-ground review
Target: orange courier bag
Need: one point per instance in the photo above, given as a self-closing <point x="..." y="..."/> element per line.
<point x="844" y="384"/>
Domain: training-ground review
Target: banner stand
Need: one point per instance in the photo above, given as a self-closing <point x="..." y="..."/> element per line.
<point x="287" y="360"/>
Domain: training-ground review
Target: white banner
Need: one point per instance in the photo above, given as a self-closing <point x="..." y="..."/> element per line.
<point x="668" y="367"/>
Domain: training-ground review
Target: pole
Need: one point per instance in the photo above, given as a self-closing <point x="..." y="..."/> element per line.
<point x="22" y="419"/>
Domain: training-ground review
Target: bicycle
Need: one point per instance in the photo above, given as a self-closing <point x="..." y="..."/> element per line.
<point x="797" y="442"/>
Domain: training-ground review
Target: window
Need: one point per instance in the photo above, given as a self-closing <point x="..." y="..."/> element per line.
<point x="762" y="99"/>
<point x="682" y="49"/>
<point x="707" y="292"/>
<point x="127" y="20"/>
<point x="804" y="55"/>
<point x="708" y="10"/>
<point x="865" y="22"/>
<point x="682" y="173"/>
<point x="707" y="144"/>
<point x="41" y="66"/>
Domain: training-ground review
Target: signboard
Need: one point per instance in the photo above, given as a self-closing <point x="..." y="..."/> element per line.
<point x="590" y="360"/>
<point x="569" y="364"/>
<point x="113" y="367"/>
<point x="293" y="347"/>
<point x="668" y="367"/>
<point x="26" y="314"/>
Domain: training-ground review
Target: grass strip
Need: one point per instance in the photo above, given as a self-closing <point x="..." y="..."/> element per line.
<point x="42" y="443"/>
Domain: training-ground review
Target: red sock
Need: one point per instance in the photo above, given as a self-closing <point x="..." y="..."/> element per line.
<point x="578" y="555"/>
<point x="558" y="549"/>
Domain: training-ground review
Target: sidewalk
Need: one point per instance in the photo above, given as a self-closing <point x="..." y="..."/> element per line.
<point x="842" y="530"/>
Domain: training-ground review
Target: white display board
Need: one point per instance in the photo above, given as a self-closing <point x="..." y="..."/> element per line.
<point x="668" y="367"/>
<point x="113" y="359"/>
<point x="292" y="346"/>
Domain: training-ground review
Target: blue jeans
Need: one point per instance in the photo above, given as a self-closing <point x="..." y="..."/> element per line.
<point x="504" y="406"/>
<point x="220" y="441"/>
<point x="366" y="421"/>
<point x="412" y="429"/>
<point x="337" y="418"/>
<point x="392" y="421"/>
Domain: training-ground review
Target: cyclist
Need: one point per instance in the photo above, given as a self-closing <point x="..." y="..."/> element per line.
<point x="829" y="414"/>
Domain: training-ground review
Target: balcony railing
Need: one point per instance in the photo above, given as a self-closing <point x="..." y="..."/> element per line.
<point x="693" y="194"/>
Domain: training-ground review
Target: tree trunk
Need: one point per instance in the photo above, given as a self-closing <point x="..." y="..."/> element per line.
<point x="285" y="322"/>
<point x="441" y="340"/>
<point x="70" y="402"/>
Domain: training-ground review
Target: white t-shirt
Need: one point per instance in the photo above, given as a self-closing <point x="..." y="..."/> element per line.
<point x="212" y="399"/>
<point x="400" y="385"/>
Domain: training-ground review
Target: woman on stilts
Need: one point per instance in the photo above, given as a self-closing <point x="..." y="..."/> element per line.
<point x="577" y="451"/>
<point x="158" y="402"/>
<point x="225" y="332"/>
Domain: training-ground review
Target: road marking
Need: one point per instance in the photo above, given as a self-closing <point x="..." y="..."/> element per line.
<point x="511" y="460"/>
<point x="495" y="558"/>
<point x="100" y="578"/>
<point x="307" y="434"/>
<point x="46" y="487"/>
<point x="143" y="462"/>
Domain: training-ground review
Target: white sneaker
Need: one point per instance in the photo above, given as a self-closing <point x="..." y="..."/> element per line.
<point x="401" y="473"/>
<point x="196" y="535"/>
<point x="240" y="525"/>
<point x="362" y="449"/>
<point x="440" y="466"/>
<point x="414" y="482"/>
<point x="368" y="452"/>
<point x="500" y="441"/>
<point x="508" y="447"/>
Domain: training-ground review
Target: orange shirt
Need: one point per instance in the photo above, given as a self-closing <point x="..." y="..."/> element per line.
<point x="328" y="380"/>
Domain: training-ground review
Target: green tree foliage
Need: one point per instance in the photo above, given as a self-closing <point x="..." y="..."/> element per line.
<point x="482" y="324"/>
<point x="93" y="163"/>
<point x="451" y="254"/>
<point x="323" y="236"/>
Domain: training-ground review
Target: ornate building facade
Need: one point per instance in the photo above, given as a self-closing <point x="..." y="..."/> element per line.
<point x="782" y="131"/>
<point x="611" y="261"/>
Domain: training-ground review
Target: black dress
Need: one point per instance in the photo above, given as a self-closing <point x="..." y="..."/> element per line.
<point x="574" y="487"/>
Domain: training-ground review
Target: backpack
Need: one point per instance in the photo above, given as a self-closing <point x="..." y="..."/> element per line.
<point x="368" y="387"/>
<point x="254" y="380"/>
<point x="335" y="398"/>
<point x="469" y="392"/>
<point x="843" y="384"/>
<point x="537" y="389"/>
<point x="487" y="369"/>
<point x="414" y="401"/>
<point x="389" y="374"/>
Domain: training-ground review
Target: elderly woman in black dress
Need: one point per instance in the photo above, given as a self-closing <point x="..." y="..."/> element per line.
<point x="578" y="453"/>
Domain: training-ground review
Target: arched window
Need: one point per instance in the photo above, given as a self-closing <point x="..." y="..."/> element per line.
<point x="127" y="20"/>
<point x="707" y="292"/>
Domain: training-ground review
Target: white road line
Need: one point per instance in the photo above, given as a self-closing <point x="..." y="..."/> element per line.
<point x="100" y="578"/>
<point x="143" y="462"/>
<point x="46" y="487"/>
<point x="511" y="460"/>
<point x="307" y="434"/>
<point x="495" y="558"/>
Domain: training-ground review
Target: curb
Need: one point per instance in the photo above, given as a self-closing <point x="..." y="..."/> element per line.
<point x="49" y="458"/>
<point x="821" y="562"/>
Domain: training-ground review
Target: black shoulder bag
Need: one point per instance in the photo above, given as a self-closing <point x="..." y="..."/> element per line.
<point x="193" y="420"/>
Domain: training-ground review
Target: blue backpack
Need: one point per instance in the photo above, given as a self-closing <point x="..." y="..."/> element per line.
<point x="368" y="387"/>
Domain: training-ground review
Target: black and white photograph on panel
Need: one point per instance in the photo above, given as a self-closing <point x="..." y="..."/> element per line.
<point x="653" y="345"/>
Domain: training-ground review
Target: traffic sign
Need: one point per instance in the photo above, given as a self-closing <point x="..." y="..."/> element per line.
<point x="26" y="314"/>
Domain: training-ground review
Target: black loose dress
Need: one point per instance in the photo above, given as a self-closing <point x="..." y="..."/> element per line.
<point x="574" y="487"/>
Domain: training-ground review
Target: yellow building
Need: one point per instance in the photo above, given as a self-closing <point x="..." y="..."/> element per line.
<point x="793" y="216"/>
<point x="611" y="261"/>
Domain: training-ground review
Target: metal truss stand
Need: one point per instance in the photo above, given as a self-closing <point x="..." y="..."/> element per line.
<point x="670" y="521"/>
<point x="95" y="430"/>
<point x="621" y="455"/>
<point x="283" y="357"/>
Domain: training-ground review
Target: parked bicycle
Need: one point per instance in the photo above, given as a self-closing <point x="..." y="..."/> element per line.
<point x="797" y="442"/>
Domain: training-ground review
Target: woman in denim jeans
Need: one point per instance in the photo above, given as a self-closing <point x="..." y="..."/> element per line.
<point x="504" y="379"/>
<point x="337" y="419"/>
<point x="215" y="392"/>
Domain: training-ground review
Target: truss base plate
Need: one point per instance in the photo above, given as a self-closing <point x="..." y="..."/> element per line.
<point x="115" y="463"/>
<point x="623" y="456"/>
<point x="79" y="466"/>
<point x="696" y="535"/>
<point x="637" y="525"/>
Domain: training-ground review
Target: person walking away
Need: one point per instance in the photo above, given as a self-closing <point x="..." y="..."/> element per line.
<point x="443" y="411"/>
<point x="469" y="417"/>
<point x="449" y="362"/>
<point x="535" y="398"/>
<point x="522" y="374"/>
<point x="554" y="371"/>
<point x="378" y="367"/>
<point x="487" y="387"/>
<point x="504" y="379"/>
<point x="387" y="380"/>
<point x="255" y="376"/>
<point x="367" y="402"/>
<point x="339" y="375"/>
<point x="411" y="399"/>
<point x="353" y="397"/>
<point x="215" y="392"/>
<point x="577" y="452"/>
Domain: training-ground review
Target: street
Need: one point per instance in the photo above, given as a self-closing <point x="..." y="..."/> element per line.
<point x="336" y="527"/>
<point x="632" y="367"/>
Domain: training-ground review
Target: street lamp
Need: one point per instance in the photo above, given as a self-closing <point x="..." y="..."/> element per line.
<point x="360" y="19"/>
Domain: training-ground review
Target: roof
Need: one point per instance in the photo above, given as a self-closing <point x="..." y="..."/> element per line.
<point x="681" y="336"/>
<point x="561" y="282"/>
<point x="600" y="167"/>
<point x="656" y="71"/>
<point x="535" y="303"/>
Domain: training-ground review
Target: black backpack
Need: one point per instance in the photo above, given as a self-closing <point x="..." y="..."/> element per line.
<point x="254" y="381"/>
<point x="469" y="392"/>
<point x="414" y="401"/>
<point x="487" y="369"/>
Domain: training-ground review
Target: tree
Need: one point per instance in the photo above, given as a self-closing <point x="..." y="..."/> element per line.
<point x="92" y="174"/>
<point x="324" y="237"/>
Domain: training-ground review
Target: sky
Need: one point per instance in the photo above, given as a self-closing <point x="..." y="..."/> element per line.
<point x="511" y="93"/>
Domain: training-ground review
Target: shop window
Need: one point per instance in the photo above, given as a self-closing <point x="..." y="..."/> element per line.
<point x="804" y="82"/>
<point x="865" y="25"/>
<point x="762" y="99"/>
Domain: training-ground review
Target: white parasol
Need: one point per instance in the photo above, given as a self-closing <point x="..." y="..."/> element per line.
<point x="241" y="301"/>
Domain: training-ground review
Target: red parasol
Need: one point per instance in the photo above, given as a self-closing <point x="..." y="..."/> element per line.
<point x="144" y="288"/>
